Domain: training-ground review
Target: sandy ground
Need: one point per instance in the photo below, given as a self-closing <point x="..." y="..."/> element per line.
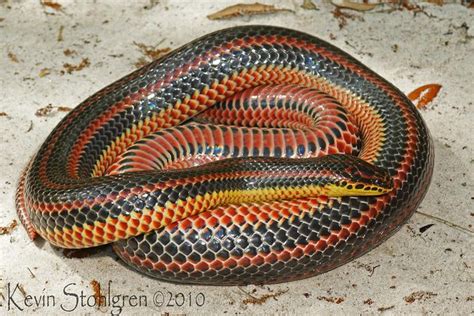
<point x="420" y="270"/>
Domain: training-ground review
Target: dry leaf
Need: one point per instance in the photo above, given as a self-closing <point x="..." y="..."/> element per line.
<point x="358" y="6"/>
<point x="309" y="5"/>
<point x="152" y="52"/>
<point x="437" y="2"/>
<point x="60" y="33"/>
<point x="242" y="9"/>
<point x="342" y="17"/>
<point x="53" y="5"/>
<point x="99" y="298"/>
<point x="418" y="296"/>
<point x="423" y="95"/>
<point x="331" y="299"/>
<point x="4" y="230"/>
<point x="69" y="52"/>
<point x="142" y="61"/>
<point x="44" y="72"/>
<point x="44" y="111"/>
<point x="64" y="109"/>
<point x="83" y="64"/>
<point x="262" y="299"/>
<point x="3" y="114"/>
<point x="13" y="57"/>
<point x="412" y="7"/>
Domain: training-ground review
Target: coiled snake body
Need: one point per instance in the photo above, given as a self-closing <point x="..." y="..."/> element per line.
<point x="140" y="164"/>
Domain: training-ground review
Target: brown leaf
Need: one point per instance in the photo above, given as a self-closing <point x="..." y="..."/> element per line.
<point x="415" y="8"/>
<point x="309" y="5"/>
<point x="262" y="299"/>
<point x="330" y="299"/>
<point x="44" y="111"/>
<point x="151" y="51"/>
<point x="142" y="61"/>
<point x="3" y="114"/>
<point x="417" y="296"/>
<point x="437" y="2"/>
<point x="342" y="17"/>
<point x="44" y="72"/>
<point x="242" y="9"/>
<point x="13" y="57"/>
<point x="53" y="5"/>
<point x="358" y="6"/>
<point x="99" y="298"/>
<point x="423" y="95"/>
<point x="69" y="52"/>
<point x="5" y="230"/>
<point x="64" y="109"/>
<point x="83" y="64"/>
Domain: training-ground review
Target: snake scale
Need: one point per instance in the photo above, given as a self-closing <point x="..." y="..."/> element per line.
<point x="254" y="154"/>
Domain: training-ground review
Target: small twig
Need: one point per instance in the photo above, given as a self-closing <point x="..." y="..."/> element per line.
<point x="373" y="270"/>
<point x="60" y="33"/>
<point x="246" y="293"/>
<point x="22" y="290"/>
<point x="447" y="223"/>
<point x="32" y="274"/>
<point x="31" y="127"/>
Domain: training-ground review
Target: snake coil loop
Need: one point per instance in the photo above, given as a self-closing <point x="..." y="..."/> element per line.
<point x="142" y="163"/>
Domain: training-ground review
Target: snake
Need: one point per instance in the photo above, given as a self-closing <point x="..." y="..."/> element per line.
<point x="251" y="155"/>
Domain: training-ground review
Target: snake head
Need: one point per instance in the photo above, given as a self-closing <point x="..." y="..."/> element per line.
<point x="352" y="176"/>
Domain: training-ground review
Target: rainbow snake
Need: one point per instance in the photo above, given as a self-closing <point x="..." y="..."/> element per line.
<point x="187" y="165"/>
